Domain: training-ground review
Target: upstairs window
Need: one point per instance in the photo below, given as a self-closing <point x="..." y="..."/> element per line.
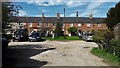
<point x="99" y="25"/>
<point x="79" y="24"/>
<point x="88" y="24"/>
<point x="63" y="25"/>
<point x="53" y="24"/>
<point x="30" y="24"/>
<point x="46" y="24"/>
<point x="71" y="24"/>
<point x="39" y="23"/>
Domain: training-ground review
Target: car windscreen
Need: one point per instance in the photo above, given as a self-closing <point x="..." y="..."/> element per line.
<point x="35" y="34"/>
<point x="89" y="34"/>
<point x="19" y="31"/>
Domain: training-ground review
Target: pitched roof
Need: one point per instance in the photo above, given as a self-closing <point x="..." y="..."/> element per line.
<point x="55" y="20"/>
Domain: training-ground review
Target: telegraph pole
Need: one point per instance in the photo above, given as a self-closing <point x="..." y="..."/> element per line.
<point x="77" y="21"/>
<point x="65" y="25"/>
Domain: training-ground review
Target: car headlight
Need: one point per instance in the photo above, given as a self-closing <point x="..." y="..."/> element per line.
<point x="13" y="36"/>
<point x="38" y="37"/>
<point x="21" y="35"/>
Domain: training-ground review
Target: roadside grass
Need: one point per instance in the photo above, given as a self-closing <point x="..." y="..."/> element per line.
<point x="62" y="38"/>
<point x="107" y="57"/>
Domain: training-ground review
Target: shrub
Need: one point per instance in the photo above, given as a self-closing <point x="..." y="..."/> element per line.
<point x="58" y="30"/>
<point x="98" y="36"/>
<point x="72" y="30"/>
<point x="106" y="56"/>
<point x="115" y="46"/>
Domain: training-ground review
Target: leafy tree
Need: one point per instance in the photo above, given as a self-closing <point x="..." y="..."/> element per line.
<point x="9" y="12"/>
<point x="58" y="30"/>
<point x="113" y="16"/>
<point x="72" y="30"/>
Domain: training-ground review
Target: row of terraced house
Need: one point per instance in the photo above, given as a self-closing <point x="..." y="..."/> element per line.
<point x="82" y="23"/>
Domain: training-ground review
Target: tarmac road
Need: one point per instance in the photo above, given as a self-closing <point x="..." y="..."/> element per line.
<point x="60" y="53"/>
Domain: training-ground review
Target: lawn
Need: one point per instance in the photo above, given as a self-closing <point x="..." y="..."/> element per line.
<point x="62" y="38"/>
<point x="107" y="57"/>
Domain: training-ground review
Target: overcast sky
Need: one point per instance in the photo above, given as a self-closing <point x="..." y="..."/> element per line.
<point x="99" y="8"/>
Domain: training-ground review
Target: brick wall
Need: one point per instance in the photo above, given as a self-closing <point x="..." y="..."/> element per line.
<point x="83" y="27"/>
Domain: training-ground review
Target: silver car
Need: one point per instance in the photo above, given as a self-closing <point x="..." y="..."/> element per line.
<point x="87" y="36"/>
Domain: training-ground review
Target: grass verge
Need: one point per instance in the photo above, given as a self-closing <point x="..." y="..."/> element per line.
<point x="107" y="57"/>
<point x="62" y="38"/>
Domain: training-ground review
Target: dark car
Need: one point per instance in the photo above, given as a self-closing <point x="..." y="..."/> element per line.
<point x="34" y="36"/>
<point x="20" y="34"/>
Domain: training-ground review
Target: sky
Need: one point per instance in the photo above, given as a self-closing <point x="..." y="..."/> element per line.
<point x="34" y="8"/>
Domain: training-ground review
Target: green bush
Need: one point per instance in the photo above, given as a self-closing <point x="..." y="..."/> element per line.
<point x="98" y="36"/>
<point x="58" y="30"/>
<point x="115" y="46"/>
<point x="72" y="29"/>
<point x="106" y="56"/>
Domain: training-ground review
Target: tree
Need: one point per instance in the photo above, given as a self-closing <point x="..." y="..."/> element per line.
<point x="72" y="30"/>
<point x="10" y="11"/>
<point x="58" y="30"/>
<point x="113" y="16"/>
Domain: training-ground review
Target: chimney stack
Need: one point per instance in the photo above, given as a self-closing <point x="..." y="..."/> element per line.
<point x="91" y="16"/>
<point x="43" y="15"/>
<point x="58" y="15"/>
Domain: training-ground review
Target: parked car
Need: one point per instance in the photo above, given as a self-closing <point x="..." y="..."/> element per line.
<point x="34" y="36"/>
<point x="20" y="34"/>
<point x="4" y="42"/>
<point x="87" y="36"/>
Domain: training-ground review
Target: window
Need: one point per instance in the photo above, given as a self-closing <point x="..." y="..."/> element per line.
<point x="71" y="24"/>
<point x="39" y="24"/>
<point x="30" y="24"/>
<point x="88" y="24"/>
<point x="79" y="24"/>
<point x="53" y="24"/>
<point x="46" y="24"/>
<point x="63" y="25"/>
<point x="99" y="25"/>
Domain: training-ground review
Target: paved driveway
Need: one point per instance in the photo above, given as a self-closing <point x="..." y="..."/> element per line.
<point x="61" y="53"/>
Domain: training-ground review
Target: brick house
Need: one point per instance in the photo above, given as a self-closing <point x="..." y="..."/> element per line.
<point x="84" y="23"/>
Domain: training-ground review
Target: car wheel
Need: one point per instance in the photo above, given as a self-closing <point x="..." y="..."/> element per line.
<point x="29" y="40"/>
<point x="13" y="40"/>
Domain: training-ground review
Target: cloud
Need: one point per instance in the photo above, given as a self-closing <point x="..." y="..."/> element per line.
<point x="60" y="0"/>
<point x="74" y="3"/>
<point x="71" y="3"/>
<point x="22" y="13"/>
<point x="72" y="15"/>
<point x="37" y="15"/>
<point x="61" y="15"/>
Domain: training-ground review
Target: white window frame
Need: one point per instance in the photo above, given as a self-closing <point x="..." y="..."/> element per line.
<point x="88" y="24"/>
<point x="53" y="24"/>
<point x="39" y="24"/>
<point x="71" y="24"/>
<point x="46" y="24"/>
<point x="99" y="25"/>
<point x="30" y="24"/>
<point x="79" y="24"/>
<point x="63" y="24"/>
